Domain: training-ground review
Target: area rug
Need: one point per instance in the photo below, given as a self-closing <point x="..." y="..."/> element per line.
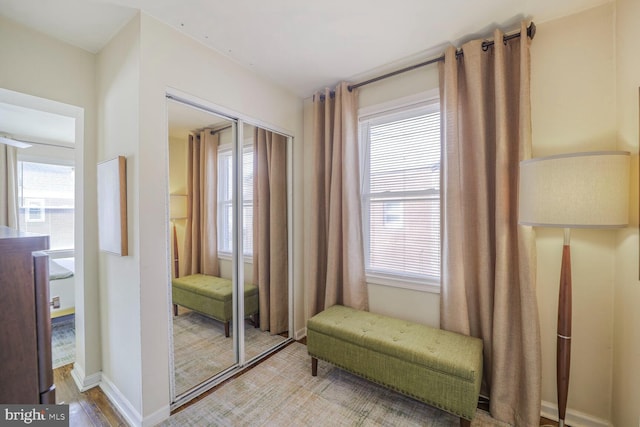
<point x="201" y="350"/>
<point x="63" y="341"/>
<point x="280" y="391"/>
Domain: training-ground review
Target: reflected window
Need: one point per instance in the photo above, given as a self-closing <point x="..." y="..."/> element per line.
<point x="225" y="200"/>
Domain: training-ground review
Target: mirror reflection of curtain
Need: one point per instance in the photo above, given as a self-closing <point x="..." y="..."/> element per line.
<point x="9" y="186"/>
<point x="201" y="233"/>
<point x="270" y="229"/>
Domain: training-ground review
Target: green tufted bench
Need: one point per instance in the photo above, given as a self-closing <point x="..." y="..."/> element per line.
<point x="440" y="368"/>
<point x="211" y="296"/>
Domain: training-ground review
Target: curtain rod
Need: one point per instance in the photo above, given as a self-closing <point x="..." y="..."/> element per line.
<point x="531" y="32"/>
<point x="213" y="132"/>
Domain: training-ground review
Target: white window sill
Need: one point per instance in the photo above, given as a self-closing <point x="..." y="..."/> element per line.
<point x="426" y="285"/>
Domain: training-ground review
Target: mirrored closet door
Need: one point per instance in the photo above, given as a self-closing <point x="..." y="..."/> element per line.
<point x="199" y="143"/>
<point x="225" y="174"/>
<point x="265" y="236"/>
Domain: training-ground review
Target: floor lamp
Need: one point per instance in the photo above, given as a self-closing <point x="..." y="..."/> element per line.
<point x="578" y="190"/>
<point x="177" y="210"/>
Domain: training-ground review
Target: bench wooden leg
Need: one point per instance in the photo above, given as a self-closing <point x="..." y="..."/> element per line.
<point x="465" y="423"/>
<point x="314" y="367"/>
<point x="175" y="309"/>
<point x="226" y="329"/>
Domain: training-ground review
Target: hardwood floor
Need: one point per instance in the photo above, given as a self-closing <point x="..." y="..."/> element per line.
<point x="91" y="408"/>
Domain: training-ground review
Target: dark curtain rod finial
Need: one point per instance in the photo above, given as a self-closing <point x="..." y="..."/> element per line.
<point x="531" y="32"/>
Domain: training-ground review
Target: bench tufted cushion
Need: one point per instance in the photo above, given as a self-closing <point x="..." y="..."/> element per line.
<point x="210" y="286"/>
<point x="212" y="296"/>
<point x="420" y="344"/>
<point x="435" y="366"/>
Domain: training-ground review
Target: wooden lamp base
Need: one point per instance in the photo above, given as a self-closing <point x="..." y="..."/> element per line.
<point x="563" y="349"/>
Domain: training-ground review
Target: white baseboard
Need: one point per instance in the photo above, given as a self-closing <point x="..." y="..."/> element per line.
<point x="300" y="333"/>
<point x="573" y="418"/>
<point x="128" y="412"/>
<point x="83" y="382"/>
<point x="122" y="404"/>
<point x="157" y="417"/>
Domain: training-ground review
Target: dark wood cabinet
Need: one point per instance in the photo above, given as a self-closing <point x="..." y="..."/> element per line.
<point x="26" y="376"/>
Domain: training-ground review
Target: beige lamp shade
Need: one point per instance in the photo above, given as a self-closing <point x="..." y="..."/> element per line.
<point x="178" y="206"/>
<point x="578" y="190"/>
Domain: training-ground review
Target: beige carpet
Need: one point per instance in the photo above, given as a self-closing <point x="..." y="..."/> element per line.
<point x="63" y="341"/>
<point x="201" y="350"/>
<point x="281" y="392"/>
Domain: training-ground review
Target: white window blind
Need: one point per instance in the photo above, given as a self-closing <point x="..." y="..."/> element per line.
<point x="247" y="203"/>
<point x="225" y="200"/>
<point x="401" y="194"/>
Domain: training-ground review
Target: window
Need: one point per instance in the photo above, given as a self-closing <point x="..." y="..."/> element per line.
<point x="401" y="195"/>
<point x="33" y="210"/>
<point x="46" y="202"/>
<point x="225" y="200"/>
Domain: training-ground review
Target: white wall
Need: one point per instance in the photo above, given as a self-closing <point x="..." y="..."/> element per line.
<point x="573" y="109"/>
<point x="172" y="60"/>
<point x="626" y="344"/>
<point x="37" y="65"/>
<point x="118" y="82"/>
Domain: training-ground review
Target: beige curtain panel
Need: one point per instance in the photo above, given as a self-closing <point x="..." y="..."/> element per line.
<point x="8" y="186"/>
<point x="488" y="264"/>
<point x="201" y="234"/>
<point x="270" y="235"/>
<point x="336" y="271"/>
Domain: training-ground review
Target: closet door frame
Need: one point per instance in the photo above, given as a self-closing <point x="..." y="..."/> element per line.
<point x="238" y="121"/>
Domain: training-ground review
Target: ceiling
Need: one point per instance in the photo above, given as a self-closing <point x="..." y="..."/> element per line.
<point x="31" y="125"/>
<point x="302" y="45"/>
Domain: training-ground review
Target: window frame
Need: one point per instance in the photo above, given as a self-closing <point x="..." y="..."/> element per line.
<point x="32" y="205"/>
<point x="225" y="149"/>
<point x="57" y="154"/>
<point x="422" y="103"/>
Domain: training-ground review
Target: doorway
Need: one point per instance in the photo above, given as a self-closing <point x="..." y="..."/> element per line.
<point x="49" y="143"/>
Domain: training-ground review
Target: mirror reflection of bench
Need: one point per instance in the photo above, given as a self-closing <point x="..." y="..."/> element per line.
<point x="212" y="296"/>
